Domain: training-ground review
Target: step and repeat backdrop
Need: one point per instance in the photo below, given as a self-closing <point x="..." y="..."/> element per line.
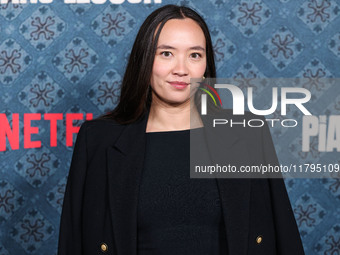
<point x="62" y="62"/>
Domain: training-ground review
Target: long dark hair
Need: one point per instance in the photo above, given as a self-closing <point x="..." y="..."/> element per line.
<point x="135" y="97"/>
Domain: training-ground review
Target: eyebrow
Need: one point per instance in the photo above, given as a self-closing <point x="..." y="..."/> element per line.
<point x="164" y="46"/>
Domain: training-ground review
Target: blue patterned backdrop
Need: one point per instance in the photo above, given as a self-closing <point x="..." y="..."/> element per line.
<point x="60" y="58"/>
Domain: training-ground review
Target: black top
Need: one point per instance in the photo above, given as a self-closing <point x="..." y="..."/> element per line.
<point x="176" y="214"/>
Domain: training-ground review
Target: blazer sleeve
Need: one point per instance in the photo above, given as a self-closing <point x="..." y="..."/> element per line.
<point x="288" y="241"/>
<point x="70" y="235"/>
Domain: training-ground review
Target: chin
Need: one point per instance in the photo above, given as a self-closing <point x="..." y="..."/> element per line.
<point x="177" y="102"/>
<point x="173" y="99"/>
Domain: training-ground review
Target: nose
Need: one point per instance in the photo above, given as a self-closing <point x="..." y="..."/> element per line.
<point x="180" y="67"/>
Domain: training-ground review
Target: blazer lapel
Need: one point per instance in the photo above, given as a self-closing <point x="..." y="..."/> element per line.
<point x="234" y="193"/>
<point x="124" y="166"/>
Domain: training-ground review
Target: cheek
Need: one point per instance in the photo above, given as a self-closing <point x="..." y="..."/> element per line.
<point x="160" y="69"/>
<point x="158" y="75"/>
<point x="199" y="70"/>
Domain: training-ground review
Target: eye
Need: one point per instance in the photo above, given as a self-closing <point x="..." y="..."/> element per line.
<point x="166" y="54"/>
<point x="196" y="55"/>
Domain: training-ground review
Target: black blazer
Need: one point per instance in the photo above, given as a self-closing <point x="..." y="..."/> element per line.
<point x="100" y="205"/>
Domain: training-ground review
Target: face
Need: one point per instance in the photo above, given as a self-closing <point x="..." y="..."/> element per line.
<point x="180" y="56"/>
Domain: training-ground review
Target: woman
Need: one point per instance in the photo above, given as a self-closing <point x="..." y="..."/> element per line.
<point x="129" y="189"/>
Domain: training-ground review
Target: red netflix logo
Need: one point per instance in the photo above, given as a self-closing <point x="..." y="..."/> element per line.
<point x="12" y="132"/>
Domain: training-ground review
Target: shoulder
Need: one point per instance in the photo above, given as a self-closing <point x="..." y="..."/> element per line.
<point x="101" y="125"/>
<point x="100" y="131"/>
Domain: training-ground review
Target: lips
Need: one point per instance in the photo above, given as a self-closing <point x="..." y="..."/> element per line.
<point x="179" y="84"/>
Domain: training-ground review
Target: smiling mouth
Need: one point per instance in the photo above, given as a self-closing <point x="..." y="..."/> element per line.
<point x="179" y="84"/>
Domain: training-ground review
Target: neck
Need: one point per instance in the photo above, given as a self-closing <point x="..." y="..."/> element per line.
<point x="167" y="117"/>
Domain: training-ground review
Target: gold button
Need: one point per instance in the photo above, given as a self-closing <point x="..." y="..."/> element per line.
<point x="104" y="247"/>
<point x="259" y="239"/>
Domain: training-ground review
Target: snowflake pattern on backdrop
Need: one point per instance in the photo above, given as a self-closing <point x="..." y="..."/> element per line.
<point x="42" y="28"/>
<point x="13" y="61"/>
<point x="42" y="94"/>
<point x="282" y="48"/>
<point x="76" y="60"/>
<point x="249" y="16"/>
<point x="32" y="231"/>
<point x="317" y="14"/>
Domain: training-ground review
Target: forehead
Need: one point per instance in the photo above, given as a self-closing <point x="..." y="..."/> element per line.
<point x="182" y="32"/>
